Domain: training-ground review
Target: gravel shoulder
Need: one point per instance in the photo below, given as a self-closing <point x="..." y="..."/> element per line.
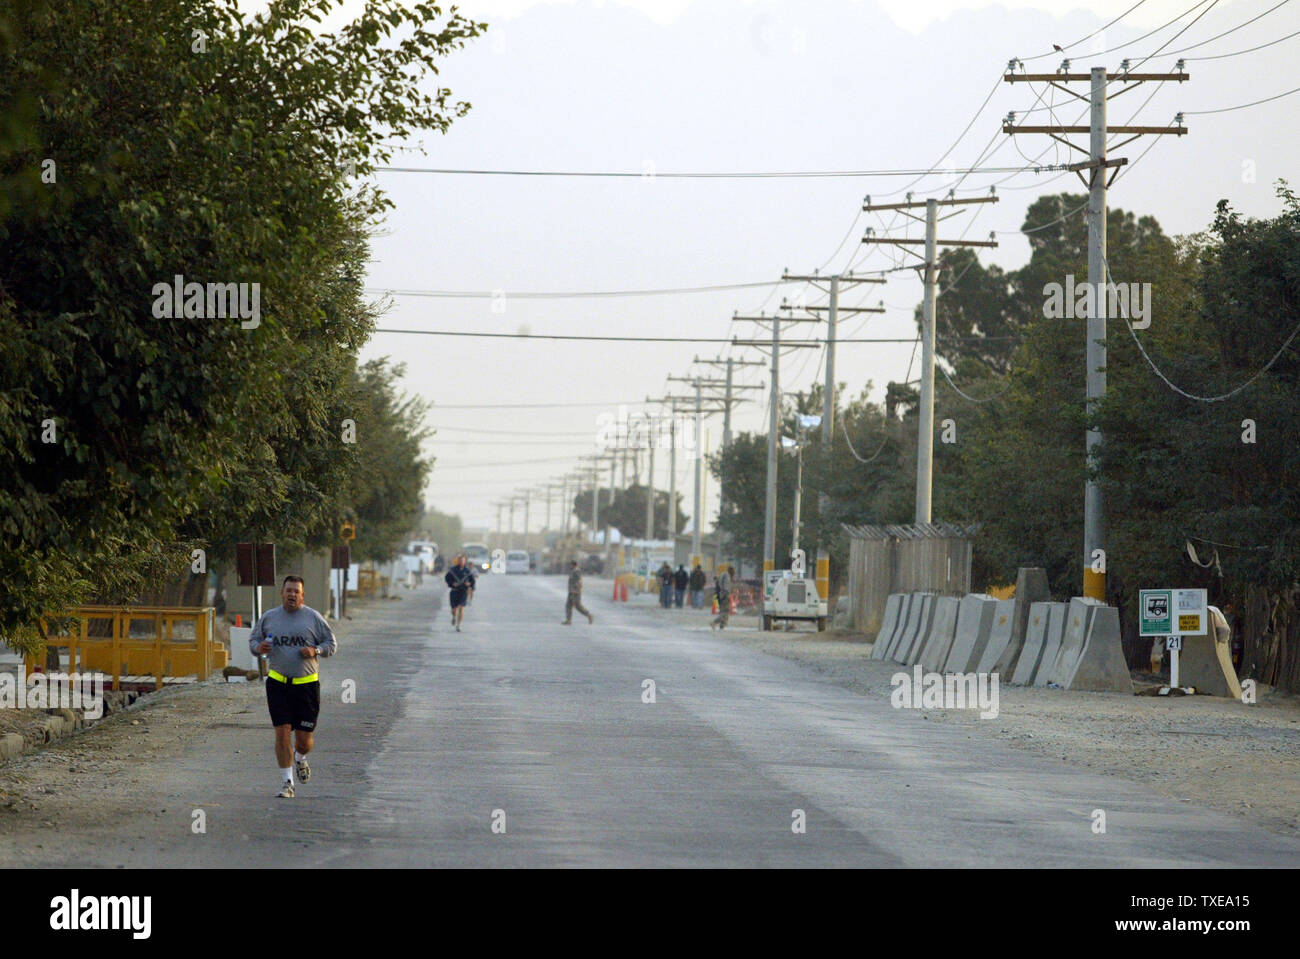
<point x="1214" y="752"/>
<point x="101" y="776"/>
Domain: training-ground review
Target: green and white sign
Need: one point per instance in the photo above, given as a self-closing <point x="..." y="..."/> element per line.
<point x="1155" y="612"/>
<point x="1171" y="612"/>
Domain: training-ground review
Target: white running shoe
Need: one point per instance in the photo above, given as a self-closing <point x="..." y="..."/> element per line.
<point x="286" y="792"/>
<point x="302" y="769"/>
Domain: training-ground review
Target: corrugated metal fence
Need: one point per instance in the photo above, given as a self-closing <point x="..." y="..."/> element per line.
<point x="921" y="558"/>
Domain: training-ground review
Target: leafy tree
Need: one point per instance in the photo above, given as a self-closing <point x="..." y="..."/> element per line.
<point x="231" y="165"/>
<point x="626" y="511"/>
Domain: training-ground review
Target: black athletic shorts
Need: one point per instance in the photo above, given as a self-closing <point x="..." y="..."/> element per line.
<point x="293" y="705"/>
<point x="459" y="597"/>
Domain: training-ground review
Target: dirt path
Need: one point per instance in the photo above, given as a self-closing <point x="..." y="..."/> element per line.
<point x="43" y="791"/>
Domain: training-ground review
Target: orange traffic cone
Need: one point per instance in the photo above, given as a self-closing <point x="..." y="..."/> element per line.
<point x="622" y="590"/>
<point x="733" y="603"/>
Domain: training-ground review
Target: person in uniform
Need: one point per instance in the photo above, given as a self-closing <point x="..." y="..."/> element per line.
<point x="460" y="578"/>
<point x="293" y="637"/>
<point x="722" y="587"/>
<point x="575" y="596"/>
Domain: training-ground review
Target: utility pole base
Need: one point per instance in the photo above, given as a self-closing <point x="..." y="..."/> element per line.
<point x="824" y="578"/>
<point x="1094" y="584"/>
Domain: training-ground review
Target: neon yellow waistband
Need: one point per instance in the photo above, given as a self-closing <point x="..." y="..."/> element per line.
<point x="296" y="681"/>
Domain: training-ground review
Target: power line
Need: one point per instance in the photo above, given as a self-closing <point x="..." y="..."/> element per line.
<point x="1179" y="33"/>
<point x="1240" y="106"/>
<point x="1219" y="36"/>
<point x="570" y="294"/>
<point x="1224" y="56"/>
<point x="529" y="406"/>
<point x="475" y="429"/>
<point x="1179" y="390"/>
<point x="1102" y="29"/>
<point x="588" y="338"/>
<point x="749" y="175"/>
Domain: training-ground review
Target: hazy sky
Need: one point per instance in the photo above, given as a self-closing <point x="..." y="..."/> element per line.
<point x="738" y="86"/>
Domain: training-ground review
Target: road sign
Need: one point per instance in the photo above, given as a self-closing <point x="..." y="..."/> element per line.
<point x="348" y="532"/>
<point x="255" y="564"/>
<point x="1154" y="612"/>
<point x="1173" y="613"/>
<point x="1189" y="608"/>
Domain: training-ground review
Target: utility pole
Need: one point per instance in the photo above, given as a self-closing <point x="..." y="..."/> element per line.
<point x="650" y="485"/>
<point x="565" y="504"/>
<point x="510" y="538"/>
<point x="613" y="464"/>
<point x="727" y="400"/>
<point x="773" y="425"/>
<point x="594" y="471"/>
<point x="672" y="465"/>
<point x="1094" y="517"/>
<point x="833" y="310"/>
<point x="527" y="497"/>
<point x="930" y="267"/>
<point x="696" y="405"/>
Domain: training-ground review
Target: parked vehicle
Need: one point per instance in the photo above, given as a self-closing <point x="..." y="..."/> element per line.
<point x="478" y="556"/>
<point x="426" y="550"/>
<point x="517" y="561"/>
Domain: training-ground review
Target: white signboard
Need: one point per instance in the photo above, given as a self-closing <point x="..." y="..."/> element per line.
<point x="1171" y="612"/>
<point x="239" y="653"/>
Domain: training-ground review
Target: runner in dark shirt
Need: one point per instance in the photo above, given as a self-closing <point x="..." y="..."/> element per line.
<point x="462" y="582"/>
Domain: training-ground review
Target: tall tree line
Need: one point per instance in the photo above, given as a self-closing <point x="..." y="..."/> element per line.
<point x="145" y="140"/>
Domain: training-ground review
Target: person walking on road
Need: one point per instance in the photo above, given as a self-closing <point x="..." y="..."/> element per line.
<point x="462" y="581"/>
<point x="665" y="585"/>
<point x="575" y="596"/>
<point x="722" y="588"/>
<point x="696" y="584"/>
<point x="292" y="637"/>
<point x="680" y="579"/>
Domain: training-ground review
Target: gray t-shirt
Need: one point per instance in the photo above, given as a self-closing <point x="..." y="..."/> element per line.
<point x="289" y="633"/>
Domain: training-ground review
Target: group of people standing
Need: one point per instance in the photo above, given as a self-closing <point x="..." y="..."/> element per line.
<point x="675" y="585"/>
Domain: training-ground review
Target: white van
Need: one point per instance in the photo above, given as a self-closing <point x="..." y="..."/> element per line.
<point x="517" y="561"/>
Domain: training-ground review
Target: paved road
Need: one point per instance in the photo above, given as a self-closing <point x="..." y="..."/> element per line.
<point x="546" y="724"/>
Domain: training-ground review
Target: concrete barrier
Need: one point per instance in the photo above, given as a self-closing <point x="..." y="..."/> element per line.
<point x="1205" y="661"/>
<point x="1077" y="621"/>
<point x="1031" y="587"/>
<point x="1031" y="654"/>
<point x="918" y="625"/>
<point x="1100" y="665"/>
<point x="1056" y="613"/>
<point x="974" y="621"/>
<point x="888" y="624"/>
<point x="943" y="627"/>
<point x="885" y="644"/>
<point x="1000" y="637"/>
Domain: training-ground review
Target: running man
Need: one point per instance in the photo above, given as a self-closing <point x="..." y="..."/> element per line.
<point x="575" y="596"/>
<point x="462" y="582"/>
<point x="292" y="637"/>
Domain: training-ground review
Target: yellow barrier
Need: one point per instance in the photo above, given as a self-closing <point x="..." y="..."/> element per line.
<point x="123" y="654"/>
<point x="369" y="582"/>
